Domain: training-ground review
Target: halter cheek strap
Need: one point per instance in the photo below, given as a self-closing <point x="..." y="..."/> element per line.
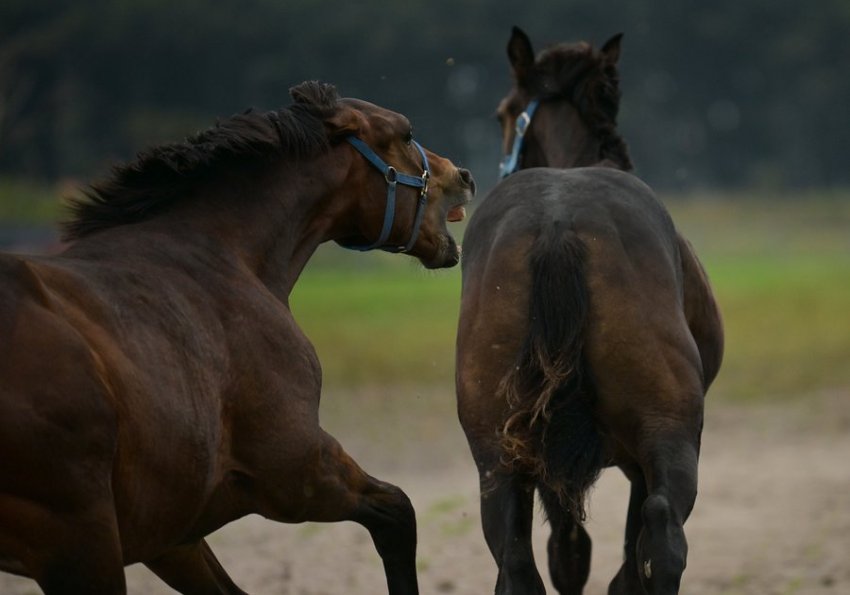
<point x="394" y="178"/>
<point x="510" y="163"/>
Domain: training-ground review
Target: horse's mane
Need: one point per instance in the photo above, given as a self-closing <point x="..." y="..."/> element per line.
<point x="582" y="75"/>
<point x="162" y="175"/>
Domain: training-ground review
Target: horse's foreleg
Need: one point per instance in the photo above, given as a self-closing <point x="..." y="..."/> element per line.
<point x="342" y="491"/>
<point x="507" y="505"/>
<point x="193" y="569"/>
<point x="386" y="511"/>
<point x="568" y="549"/>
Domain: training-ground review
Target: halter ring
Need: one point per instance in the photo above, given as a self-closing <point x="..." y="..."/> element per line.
<point x="391" y="175"/>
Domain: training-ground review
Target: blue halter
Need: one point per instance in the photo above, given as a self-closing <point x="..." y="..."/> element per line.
<point x="511" y="161"/>
<point x="394" y="178"/>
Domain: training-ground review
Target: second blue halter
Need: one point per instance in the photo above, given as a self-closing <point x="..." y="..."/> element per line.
<point x="511" y="161"/>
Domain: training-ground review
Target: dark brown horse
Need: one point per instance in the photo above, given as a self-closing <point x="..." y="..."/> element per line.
<point x="588" y="334"/>
<point x="154" y="385"/>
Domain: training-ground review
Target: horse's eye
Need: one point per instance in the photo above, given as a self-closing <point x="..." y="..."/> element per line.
<point x="408" y="138"/>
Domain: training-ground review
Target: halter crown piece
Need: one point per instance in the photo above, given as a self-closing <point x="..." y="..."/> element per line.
<point x="394" y="178"/>
<point x="511" y="161"/>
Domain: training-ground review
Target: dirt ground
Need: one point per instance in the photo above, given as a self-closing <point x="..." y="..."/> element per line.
<point x="772" y="516"/>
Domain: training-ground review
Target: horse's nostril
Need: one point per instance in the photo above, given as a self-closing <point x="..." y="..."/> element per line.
<point x="466" y="178"/>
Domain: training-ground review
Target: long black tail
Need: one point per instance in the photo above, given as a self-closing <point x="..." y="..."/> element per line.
<point x="550" y="430"/>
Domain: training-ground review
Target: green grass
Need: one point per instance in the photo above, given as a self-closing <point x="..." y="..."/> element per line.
<point x="388" y="324"/>
<point x="781" y="273"/>
<point x="787" y="325"/>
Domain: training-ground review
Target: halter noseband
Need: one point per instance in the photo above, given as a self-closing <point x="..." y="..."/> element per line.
<point x="394" y="178"/>
<point x="511" y="161"/>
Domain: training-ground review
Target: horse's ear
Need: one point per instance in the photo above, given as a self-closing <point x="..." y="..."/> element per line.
<point x="611" y="49"/>
<point x="345" y="121"/>
<point x="521" y="55"/>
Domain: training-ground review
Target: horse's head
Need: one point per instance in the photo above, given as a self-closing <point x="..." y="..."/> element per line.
<point x="562" y="108"/>
<point x="403" y="193"/>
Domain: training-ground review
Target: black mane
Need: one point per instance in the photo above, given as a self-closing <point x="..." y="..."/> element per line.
<point x="164" y="174"/>
<point x="584" y="77"/>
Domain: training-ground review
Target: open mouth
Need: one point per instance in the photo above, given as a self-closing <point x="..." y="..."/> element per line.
<point x="449" y="251"/>
<point x="456" y="214"/>
<point x="457" y="209"/>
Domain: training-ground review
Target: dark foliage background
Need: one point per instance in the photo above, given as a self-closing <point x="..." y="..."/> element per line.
<point x="730" y="93"/>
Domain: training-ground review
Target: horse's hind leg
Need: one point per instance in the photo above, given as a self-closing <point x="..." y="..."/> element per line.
<point x="669" y="464"/>
<point x="568" y="549"/>
<point x="337" y="489"/>
<point x="507" y="506"/>
<point x="627" y="580"/>
<point x="193" y="569"/>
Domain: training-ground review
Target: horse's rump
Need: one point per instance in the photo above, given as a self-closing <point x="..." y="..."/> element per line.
<point x="550" y="429"/>
<point x="702" y="313"/>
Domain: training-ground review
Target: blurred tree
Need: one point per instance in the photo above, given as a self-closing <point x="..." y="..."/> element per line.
<point x="723" y="94"/>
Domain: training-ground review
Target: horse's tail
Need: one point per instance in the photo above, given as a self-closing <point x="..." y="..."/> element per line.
<point x="550" y="430"/>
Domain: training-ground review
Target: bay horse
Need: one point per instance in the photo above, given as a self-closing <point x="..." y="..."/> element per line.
<point x="588" y="333"/>
<point x="155" y="385"/>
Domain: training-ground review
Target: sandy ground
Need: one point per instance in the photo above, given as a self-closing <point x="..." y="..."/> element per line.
<point x="772" y="516"/>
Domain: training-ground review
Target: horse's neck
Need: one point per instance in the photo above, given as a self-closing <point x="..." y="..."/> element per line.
<point x="273" y="225"/>
<point x="607" y="162"/>
<point x="307" y="211"/>
<point x="576" y="145"/>
<point x="590" y="154"/>
<point x="563" y="147"/>
<point x="584" y="154"/>
<point x="288" y="256"/>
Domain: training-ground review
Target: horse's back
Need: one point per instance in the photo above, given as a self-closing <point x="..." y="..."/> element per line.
<point x="631" y="246"/>
<point x="588" y="201"/>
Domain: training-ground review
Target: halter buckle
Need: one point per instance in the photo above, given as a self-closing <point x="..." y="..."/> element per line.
<point x="522" y="122"/>
<point x="426" y="177"/>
